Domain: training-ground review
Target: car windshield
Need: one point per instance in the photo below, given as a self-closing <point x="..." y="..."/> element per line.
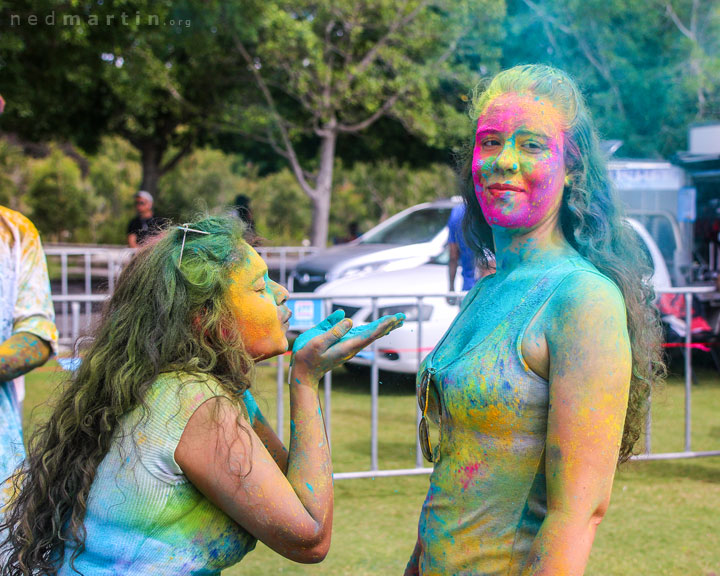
<point x="418" y="226"/>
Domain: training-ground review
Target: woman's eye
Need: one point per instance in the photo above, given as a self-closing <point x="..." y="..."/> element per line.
<point x="533" y="146"/>
<point x="261" y="288"/>
<point x="490" y="142"/>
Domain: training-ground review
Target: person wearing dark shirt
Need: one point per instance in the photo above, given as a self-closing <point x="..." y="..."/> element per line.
<point x="145" y="224"/>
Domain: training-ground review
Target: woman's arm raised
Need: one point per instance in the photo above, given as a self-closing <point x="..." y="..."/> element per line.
<point x="292" y="514"/>
<point x="590" y="369"/>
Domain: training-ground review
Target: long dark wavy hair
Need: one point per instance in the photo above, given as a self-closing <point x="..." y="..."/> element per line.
<point x="163" y="316"/>
<point x="592" y="222"/>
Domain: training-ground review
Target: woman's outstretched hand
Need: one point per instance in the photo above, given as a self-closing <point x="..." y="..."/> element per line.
<point x="334" y="341"/>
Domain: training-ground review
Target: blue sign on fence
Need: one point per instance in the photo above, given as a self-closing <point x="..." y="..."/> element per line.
<point x="306" y="313"/>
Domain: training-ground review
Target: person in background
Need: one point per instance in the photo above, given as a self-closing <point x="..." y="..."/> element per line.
<point x="244" y="212"/>
<point x="28" y="335"/>
<point x="353" y="233"/>
<point x="145" y="224"/>
<point x="459" y="251"/>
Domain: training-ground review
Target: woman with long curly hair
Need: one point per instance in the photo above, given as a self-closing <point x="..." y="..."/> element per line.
<point x="540" y="386"/>
<point x="156" y="459"/>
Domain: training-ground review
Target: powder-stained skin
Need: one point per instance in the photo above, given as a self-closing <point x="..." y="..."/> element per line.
<point x="28" y="334"/>
<point x="530" y="383"/>
<point x="254" y="298"/>
<point x="191" y="484"/>
<point x="21" y="353"/>
<point x="284" y="498"/>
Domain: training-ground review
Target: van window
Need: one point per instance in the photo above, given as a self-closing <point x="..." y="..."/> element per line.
<point x="646" y="251"/>
<point x="418" y="226"/>
<point x="661" y="230"/>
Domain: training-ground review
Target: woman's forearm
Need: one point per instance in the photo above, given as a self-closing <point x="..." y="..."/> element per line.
<point x="21" y="353"/>
<point x="562" y="545"/>
<point x="309" y="467"/>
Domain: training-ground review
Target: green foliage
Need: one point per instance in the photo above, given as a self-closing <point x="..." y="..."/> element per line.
<point x="325" y="69"/>
<point x="206" y="180"/>
<point x="12" y="175"/>
<point x="370" y="193"/>
<point x="391" y="79"/>
<point x="59" y="198"/>
<point x="366" y="193"/>
<point x="282" y="212"/>
<point x="346" y="60"/>
<point x="114" y="176"/>
<point x="648" y="69"/>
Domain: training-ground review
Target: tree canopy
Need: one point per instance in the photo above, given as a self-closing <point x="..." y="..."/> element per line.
<point x="328" y="70"/>
<point x="648" y="69"/>
<point x="302" y="89"/>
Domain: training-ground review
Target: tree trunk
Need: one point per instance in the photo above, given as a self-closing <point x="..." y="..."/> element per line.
<point x="323" y="191"/>
<point x="151" y="153"/>
<point x="320" y="219"/>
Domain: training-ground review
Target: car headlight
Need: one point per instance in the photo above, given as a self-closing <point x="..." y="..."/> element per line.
<point x="410" y="311"/>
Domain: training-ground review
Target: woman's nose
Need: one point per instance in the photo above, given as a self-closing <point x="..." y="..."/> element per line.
<point x="507" y="160"/>
<point x="280" y="293"/>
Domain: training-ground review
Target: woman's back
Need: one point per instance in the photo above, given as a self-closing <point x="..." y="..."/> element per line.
<point x="143" y="514"/>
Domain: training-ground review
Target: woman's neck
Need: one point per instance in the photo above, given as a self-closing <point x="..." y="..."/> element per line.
<point x="515" y="249"/>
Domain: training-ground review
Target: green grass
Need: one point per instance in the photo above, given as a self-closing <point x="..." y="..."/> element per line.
<point x="664" y="519"/>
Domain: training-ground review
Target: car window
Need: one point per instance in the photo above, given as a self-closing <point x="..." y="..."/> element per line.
<point x="418" y="226"/>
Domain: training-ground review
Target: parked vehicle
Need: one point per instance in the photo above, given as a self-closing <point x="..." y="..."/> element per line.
<point x="405" y="240"/>
<point x="404" y="291"/>
<point x="665" y="230"/>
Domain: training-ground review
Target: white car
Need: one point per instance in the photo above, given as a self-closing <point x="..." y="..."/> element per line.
<point x="405" y="240"/>
<point x="411" y="292"/>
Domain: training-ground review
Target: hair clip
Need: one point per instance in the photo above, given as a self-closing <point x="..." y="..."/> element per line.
<point x="186" y="228"/>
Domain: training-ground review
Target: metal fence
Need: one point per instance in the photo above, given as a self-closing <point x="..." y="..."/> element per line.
<point x="76" y="303"/>
<point x="87" y="274"/>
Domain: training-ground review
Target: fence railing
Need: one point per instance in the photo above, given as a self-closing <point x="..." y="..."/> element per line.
<point x="91" y="271"/>
<point x="422" y="347"/>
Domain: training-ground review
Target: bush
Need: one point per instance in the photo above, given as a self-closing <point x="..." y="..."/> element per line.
<point x="59" y="199"/>
<point x="114" y="175"/>
<point x="13" y="176"/>
<point x="205" y="180"/>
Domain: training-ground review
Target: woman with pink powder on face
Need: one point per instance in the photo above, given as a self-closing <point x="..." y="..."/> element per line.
<point x="539" y="387"/>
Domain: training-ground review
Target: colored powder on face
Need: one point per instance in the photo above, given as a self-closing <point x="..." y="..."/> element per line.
<point x="254" y="301"/>
<point x="518" y="165"/>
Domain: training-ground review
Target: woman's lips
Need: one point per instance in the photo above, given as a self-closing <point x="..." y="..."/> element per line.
<point x="505" y="188"/>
